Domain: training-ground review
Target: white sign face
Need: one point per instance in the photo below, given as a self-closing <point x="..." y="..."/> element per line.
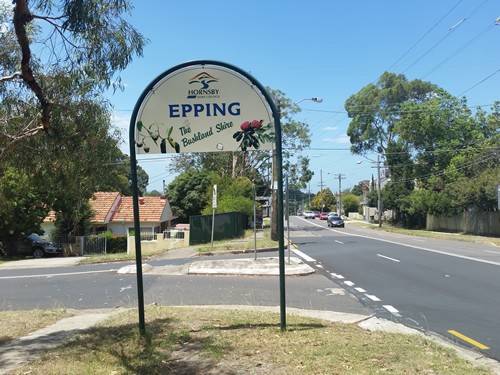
<point x="203" y="108"/>
<point x="214" y="197"/>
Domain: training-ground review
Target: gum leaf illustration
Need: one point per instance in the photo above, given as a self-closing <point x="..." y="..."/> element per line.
<point x="173" y="143"/>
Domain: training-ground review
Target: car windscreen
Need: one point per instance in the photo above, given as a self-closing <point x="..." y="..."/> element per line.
<point x="34" y="237"/>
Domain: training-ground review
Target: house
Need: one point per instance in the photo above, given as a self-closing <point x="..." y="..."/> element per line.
<point x="155" y="215"/>
<point x="114" y="213"/>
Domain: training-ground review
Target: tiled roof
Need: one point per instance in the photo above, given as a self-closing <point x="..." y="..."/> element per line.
<point x="151" y="209"/>
<point x="103" y="204"/>
<point x="50" y="218"/>
<point x="112" y="207"/>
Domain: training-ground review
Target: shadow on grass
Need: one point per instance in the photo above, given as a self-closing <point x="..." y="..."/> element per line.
<point x="290" y="327"/>
<point x="165" y="348"/>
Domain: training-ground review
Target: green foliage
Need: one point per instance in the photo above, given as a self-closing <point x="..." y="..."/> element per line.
<point x="187" y="194"/>
<point x="116" y="244"/>
<point x="350" y="203"/>
<point x="233" y="195"/>
<point x="324" y="201"/>
<point x="55" y="129"/>
<point x="376" y="108"/>
<point x="232" y="204"/>
<point x="22" y="206"/>
<point x="430" y="140"/>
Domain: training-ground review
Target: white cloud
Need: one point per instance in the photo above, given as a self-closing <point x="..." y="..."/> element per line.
<point x="344" y="139"/>
<point x="122" y="123"/>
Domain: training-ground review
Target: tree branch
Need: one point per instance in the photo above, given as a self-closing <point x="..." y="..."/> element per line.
<point x="23" y="16"/>
<point x="11" y="77"/>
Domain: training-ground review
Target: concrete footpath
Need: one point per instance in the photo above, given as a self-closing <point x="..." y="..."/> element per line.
<point x="20" y="351"/>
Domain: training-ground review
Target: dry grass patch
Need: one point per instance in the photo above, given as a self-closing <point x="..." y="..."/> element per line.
<point x="218" y="341"/>
<point x="431" y="234"/>
<point x="247" y="242"/>
<point x="14" y="324"/>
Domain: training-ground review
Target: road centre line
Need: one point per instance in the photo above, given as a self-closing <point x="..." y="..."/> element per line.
<point x="48" y="275"/>
<point x="407" y="245"/>
<point x="388" y="258"/>
<point x="468" y="339"/>
<point x="340" y="242"/>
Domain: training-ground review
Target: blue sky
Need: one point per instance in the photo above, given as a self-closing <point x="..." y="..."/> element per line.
<point x="325" y="48"/>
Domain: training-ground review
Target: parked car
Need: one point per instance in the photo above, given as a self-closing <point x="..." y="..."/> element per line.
<point x="316" y="213"/>
<point x="334" y="220"/>
<point x="323" y="215"/>
<point x="38" y="247"/>
<point x="309" y="215"/>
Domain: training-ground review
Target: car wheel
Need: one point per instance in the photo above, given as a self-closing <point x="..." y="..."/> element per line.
<point x="342" y="225"/>
<point x="38" y="252"/>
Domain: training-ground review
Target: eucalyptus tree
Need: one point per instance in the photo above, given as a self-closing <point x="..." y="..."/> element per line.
<point x="88" y="42"/>
<point x="56" y="58"/>
<point x="377" y="107"/>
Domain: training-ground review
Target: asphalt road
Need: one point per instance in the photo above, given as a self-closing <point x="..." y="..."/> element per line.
<point x="443" y="286"/>
<point x="101" y="286"/>
<point x="447" y="287"/>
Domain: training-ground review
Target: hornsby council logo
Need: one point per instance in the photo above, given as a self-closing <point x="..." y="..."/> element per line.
<point x="202" y="86"/>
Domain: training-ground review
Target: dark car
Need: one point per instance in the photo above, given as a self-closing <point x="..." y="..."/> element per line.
<point x="38" y="247"/>
<point x="335" y="220"/>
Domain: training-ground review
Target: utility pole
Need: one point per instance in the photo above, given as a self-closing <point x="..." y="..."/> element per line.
<point x="379" y="192"/>
<point x="321" y="187"/>
<point x="341" y="177"/>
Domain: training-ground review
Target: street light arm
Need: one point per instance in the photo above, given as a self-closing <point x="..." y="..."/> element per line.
<point x="316" y="100"/>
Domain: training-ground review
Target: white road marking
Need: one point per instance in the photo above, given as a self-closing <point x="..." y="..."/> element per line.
<point x="361" y="290"/>
<point x="340" y="242"/>
<point x="47" y="275"/>
<point x="349" y="283"/>
<point x="319" y="266"/>
<point x="306" y="257"/>
<point x="336" y="276"/>
<point x="391" y="309"/>
<point x="411" y="246"/>
<point x="335" y="291"/>
<point x="388" y="258"/>
<point x="373" y="298"/>
<point x="125" y="288"/>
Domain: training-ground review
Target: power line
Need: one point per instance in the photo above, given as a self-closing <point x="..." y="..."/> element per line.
<point x="450" y="31"/>
<point x="423" y="36"/>
<point x="477" y="84"/>
<point x="488" y="28"/>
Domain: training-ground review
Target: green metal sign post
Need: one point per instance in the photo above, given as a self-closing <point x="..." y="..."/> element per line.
<point x="205" y="106"/>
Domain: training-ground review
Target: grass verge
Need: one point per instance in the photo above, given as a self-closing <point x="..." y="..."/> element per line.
<point x="430" y="234"/>
<point x="247" y="242"/>
<point x="15" y="324"/>
<point x="220" y="341"/>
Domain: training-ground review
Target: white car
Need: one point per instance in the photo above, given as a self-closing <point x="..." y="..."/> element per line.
<point x="309" y="215"/>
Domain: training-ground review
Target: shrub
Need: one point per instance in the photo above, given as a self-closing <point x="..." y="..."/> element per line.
<point x="117" y="244"/>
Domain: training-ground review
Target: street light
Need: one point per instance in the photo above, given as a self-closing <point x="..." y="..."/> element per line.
<point x="379" y="203"/>
<point x="316" y="100"/>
